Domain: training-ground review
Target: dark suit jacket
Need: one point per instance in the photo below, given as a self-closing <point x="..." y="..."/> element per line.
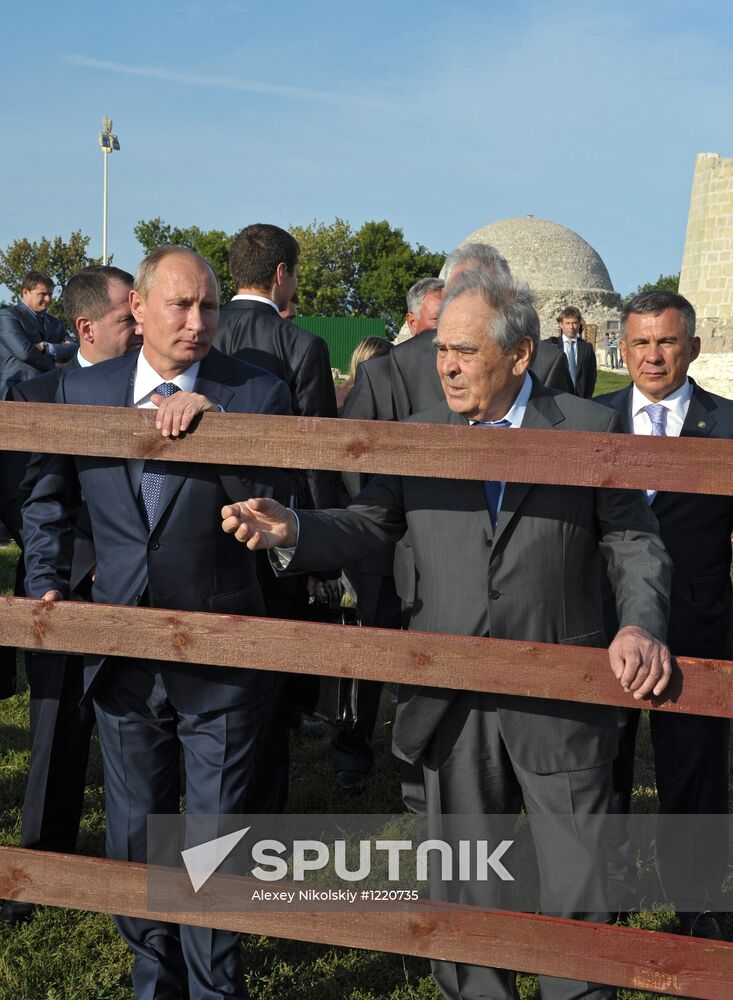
<point x="253" y="331"/>
<point x="43" y="389"/>
<point x="20" y="330"/>
<point x="585" y="378"/>
<point x="696" y="529"/>
<point x="185" y="561"/>
<point x="536" y="577"/>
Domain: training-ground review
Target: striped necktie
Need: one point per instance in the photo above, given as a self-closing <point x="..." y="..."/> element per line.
<point x="657" y="414"/>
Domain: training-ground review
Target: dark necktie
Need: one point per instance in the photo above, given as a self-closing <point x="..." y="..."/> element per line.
<point x="151" y="481"/>
<point x="492" y="487"/>
<point x="657" y="415"/>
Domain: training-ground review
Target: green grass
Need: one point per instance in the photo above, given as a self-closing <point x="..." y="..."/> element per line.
<point x="610" y="381"/>
<point x="70" y="955"/>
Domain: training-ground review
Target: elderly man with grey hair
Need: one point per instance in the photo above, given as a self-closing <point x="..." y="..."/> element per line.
<point x="424" y="300"/>
<point x="492" y="559"/>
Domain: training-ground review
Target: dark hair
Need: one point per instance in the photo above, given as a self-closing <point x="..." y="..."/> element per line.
<point x="33" y="278"/>
<point x="257" y="251"/>
<point x="573" y="312"/>
<point x="656" y="302"/>
<point x="87" y="291"/>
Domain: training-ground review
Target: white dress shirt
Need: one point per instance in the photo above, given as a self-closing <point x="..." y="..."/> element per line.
<point x="676" y="404"/>
<point x="256" y="298"/>
<point x="515" y="418"/>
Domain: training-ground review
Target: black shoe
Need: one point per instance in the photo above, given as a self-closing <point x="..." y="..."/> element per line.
<point x="16" y="913"/>
<point x="701" y="925"/>
<point x="351" y="782"/>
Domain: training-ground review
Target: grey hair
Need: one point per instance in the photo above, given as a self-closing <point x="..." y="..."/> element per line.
<point x="656" y="302"/>
<point x="148" y="266"/>
<point x="515" y="316"/>
<point x="477" y="257"/>
<point x="422" y="288"/>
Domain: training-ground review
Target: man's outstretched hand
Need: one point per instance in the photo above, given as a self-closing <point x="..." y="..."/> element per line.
<point x="260" y="524"/>
<point x="640" y="662"/>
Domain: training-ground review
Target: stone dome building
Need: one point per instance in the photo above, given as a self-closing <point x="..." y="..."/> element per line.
<point x="560" y="268"/>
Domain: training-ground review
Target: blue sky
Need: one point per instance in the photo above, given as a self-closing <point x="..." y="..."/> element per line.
<point x="440" y="117"/>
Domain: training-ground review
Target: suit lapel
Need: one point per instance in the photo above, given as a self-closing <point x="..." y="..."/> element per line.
<point x="542" y="413"/>
<point x="700" y="420"/>
<point x="212" y="374"/>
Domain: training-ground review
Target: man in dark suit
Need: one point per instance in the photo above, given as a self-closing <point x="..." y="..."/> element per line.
<point x="156" y="545"/>
<point x="690" y="752"/>
<point x="509" y="560"/>
<point x="97" y="303"/>
<point x="264" y="266"/>
<point x="580" y="354"/>
<point x="31" y="341"/>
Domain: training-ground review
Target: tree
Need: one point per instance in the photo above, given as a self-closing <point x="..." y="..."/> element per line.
<point x="212" y="244"/>
<point x="387" y="267"/>
<point x="59" y="259"/>
<point x="664" y="283"/>
<point x="327" y="268"/>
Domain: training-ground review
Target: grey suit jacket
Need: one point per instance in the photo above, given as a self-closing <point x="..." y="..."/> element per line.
<point x="536" y="577"/>
<point x="20" y="359"/>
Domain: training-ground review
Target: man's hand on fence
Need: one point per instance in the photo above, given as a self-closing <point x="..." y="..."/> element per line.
<point x="640" y="662"/>
<point x="52" y="595"/>
<point x="176" y="413"/>
<point x="260" y="524"/>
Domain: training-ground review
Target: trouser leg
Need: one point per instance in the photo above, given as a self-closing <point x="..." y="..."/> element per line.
<point x="141" y="776"/>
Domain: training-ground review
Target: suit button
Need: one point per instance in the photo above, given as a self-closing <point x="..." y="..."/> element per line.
<point x="155" y="546"/>
<point x="494" y="595"/>
<point x="490" y="542"/>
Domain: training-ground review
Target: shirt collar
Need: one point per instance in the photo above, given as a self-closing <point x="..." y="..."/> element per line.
<point x="147" y="379"/>
<point x="677" y="402"/>
<point x="241" y="297"/>
<point x="82" y="361"/>
<point x="515" y="414"/>
<point x="39" y="316"/>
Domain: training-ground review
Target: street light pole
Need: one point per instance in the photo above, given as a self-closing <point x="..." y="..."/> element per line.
<point x="108" y="142"/>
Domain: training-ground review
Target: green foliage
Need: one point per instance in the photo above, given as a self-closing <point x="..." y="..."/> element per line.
<point x="342" y="272"/>
<point x="212" y="244"/>
<point x="664" y="283"/>
<point x="58" y="257"/>
<point x="362" y="273"/>
<point x="328" y="267"/>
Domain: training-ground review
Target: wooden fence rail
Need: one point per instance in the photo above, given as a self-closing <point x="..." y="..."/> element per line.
<point x="471" y="663"/>
<point x="618" y="956"/>
<point x="582" y="458"/>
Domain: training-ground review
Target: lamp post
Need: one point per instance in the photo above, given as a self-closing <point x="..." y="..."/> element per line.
<point x="107" y="142"/>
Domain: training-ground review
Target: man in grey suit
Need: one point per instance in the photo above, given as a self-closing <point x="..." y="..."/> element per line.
<point x="31" y="341"/>
<point x="508" y="560"/>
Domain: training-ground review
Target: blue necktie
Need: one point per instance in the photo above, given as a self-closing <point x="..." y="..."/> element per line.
<point x="492" y="487"/>
<point x="572" y="360"/>
<point x="657" y="415"/>
<point x="151" y="481"/>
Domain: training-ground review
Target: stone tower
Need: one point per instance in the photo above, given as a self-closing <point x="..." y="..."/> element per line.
<point x="706" y="278"/>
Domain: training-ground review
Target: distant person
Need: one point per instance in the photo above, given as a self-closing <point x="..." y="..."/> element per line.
<point x="424" y="300"/>
<point x="579" y="353"/>
<point x="31" y="340"/>
<point x="613" y="351"/>
<point x="97" y="302"/>
<point x="290" y="310"/>
<point x="658" y="344"/>
<point x="370" y="347"/>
